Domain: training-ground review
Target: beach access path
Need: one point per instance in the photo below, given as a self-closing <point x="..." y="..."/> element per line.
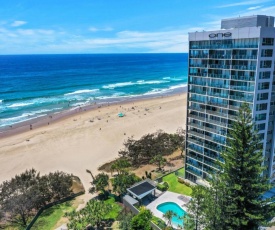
<point x="87" y="140"/>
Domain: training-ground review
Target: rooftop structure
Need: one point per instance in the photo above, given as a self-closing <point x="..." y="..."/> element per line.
<point x="142" y="189"/>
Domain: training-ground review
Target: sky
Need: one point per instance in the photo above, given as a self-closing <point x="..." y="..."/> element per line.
<point x="113" y="26"/>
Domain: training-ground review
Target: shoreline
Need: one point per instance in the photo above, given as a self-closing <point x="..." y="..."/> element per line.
<point x="52" y="118"/>
<point x="74" y="144"/>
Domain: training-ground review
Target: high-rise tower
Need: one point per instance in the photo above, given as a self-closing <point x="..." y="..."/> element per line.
<point x="226" y="68"/>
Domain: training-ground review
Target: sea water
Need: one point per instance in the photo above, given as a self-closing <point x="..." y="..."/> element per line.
<point x="36" y="85"/>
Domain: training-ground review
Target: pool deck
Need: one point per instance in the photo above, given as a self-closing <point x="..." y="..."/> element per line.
<point x="167" y="196"/>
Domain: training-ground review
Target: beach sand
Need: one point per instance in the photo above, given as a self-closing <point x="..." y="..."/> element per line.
<point x="88" y="139"/>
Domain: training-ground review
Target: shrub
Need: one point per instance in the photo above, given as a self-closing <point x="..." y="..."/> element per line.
<point x="163" y="186"/>
<point x="182" y="181"/>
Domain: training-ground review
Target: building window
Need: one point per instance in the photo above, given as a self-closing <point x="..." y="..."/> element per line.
<point x="265" y="75"/>
<point x="260" y="117"/>
<point x="267" y="53"/>
<point x="263" y="85"/>
<point x="260" y="127"/>
<point x="266" y="64"/>
<point x="260" y="107"/>
<point x="268" y="41"/>
<point x="262" y="96"/>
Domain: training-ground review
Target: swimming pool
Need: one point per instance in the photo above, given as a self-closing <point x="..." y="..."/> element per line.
<point x="164" y="207"/>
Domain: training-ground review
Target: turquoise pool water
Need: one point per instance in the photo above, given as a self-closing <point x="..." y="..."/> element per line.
<point x="164" y="207"/>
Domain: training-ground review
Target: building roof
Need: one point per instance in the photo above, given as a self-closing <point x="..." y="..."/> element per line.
<point x="142" y="189"/>
<point x="130" y="200"/>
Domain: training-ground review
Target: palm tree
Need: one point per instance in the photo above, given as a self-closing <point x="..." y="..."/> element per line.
<point x="168" y="216"/>
<point x="181" y="218"/>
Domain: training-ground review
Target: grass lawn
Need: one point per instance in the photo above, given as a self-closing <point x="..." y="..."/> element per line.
<point x="49" y="218"/>
<point x="175" y="186"/>
<point x="116" y="208"/>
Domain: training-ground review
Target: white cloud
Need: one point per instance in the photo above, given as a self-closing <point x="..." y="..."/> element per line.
<point x="270" y="11"/>
<point x="243" y="3"/>
<point x="96" y="29"/>
<point x="254" y="7"/>
<point x="162" y="41"/>
<point x="18" y="23"/>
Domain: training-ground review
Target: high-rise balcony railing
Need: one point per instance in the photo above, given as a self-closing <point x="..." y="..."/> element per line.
<point x="242" y="78"/>
<point x="193" y="171"/>
<point x="217" y="122"/>
<point x="198" y="56"/>
<point x="214" y="165"/>
<point x="215" y="113"/>
<point x="243" y="67"/>
<point x="196" y="134"/>
<point x="196" y="99"/>
<point x="217" y="66"/>
<point x="242" y="88"/>
<point x="223" y="95"/>
<point x="217" y="85"/>
<point x="215" y="139"/>
<point x="198" y="74"/>
<point x="198" y="83"/>
<point x="210" y="155"/>
<point x="213" y="147"/>
<point x="197" y="91"/>
<point x="195" y="148"/>
<point x="193" y="140"/>
<point x="195" y="157"/>
<point x="215" y="130"/>
<point x="244" y="57"/>
<point x="196" y="117"/>
<point x="222" y="46"/>
<point x="219" y="104"/>
<point x="219" y="56"/>
<point x="194" y="163"/>
<point x="223" y="76"/>
<point x="198" y="65"/>
<point x="196" y="108"/>
<point x="246" y="98"/>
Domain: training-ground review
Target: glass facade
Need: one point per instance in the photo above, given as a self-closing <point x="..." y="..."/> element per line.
<point x="221" y="77"/>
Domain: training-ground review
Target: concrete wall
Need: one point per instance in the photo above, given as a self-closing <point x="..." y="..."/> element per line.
<point x="251" y="21"/>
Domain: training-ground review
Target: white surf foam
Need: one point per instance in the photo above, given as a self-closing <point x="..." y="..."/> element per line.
<point x="117" y="85"/>
<point x="159" y="91"/>
<point x="82" y="91"/>
<point x="178" y="86"/>
<point x="130" y="83"/>
<point x="19" y="105"/>
<point x="173" y="78"/>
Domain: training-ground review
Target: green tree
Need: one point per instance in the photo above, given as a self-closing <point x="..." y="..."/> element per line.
<point x="99" y="183"/>
<point x="92" y="215"/>
<point x="243" y="176"/>
<point x="123" y="181"/>
<point x="159" y="160"/>
<point x="17" y="198"/>
<point x="216" y="204"/>
<point x="60" y="184"/>
<point x="24" y="194"/>
<point x="142" y="220"/>
<point x="141" y="151"/>
<point x="120" y="165"/>
<point x="195" y="218"/>
<point x="168" y="216"/>
<point x="124" y="218"/>
<point x="179" y="139"/>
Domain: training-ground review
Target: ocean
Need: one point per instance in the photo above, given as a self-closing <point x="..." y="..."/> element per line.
<point x="33" y="86"/>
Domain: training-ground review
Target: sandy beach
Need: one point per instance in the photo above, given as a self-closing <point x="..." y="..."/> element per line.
<point x="88" y="139"/>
